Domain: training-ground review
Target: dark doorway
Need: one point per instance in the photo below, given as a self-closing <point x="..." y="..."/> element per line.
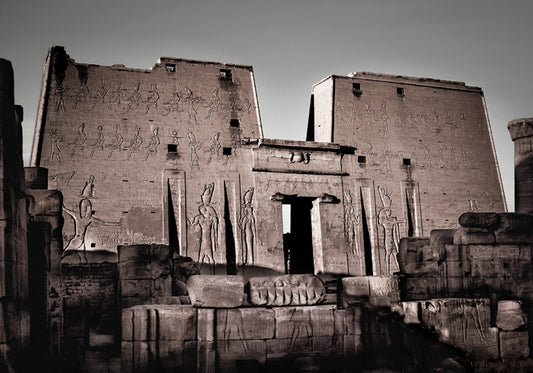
<point x="298" y="241"/>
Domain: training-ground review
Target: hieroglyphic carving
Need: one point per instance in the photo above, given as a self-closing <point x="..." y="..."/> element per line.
<point x="248" y="228"/>
<point x="195" y="146"/>
<point x="135" y="98"/>
<point x="135" y="143"/>
<point x="60" y="93"/>
<point x="207" y="222"/>
<point x="172" y="104"/>
<point x="117" y="94"/>
<point x="153" y="143"/>
<point x="98" y="144"/>
<point x="100" y="95"/>
<point x="293" y="290"/>
<point x="62" y="179"/>
<point x="116" y="144"/>
<point x="81" y="95"/>
<point x="88" y="188"/>
<point x="351" y="223"/>
<point x="213" y="104"/>
<point x="152" y="99"/>
<point x="191" y="106"/>
<point x="79" y="141"/>
<point x="214" y="149"/>
<point x="391" y="232"/>
<point x="55" y="149"/>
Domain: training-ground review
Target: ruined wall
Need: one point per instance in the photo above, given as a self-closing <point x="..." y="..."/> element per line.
<point x="426" y="142"/>
<point x="14" y="284"/>
<point x="132" y="149"/>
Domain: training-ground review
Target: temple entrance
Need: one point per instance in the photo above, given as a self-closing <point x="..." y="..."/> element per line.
<point x="297" y="235"/>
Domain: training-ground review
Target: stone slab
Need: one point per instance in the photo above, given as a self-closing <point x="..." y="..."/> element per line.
<point x="384" y="290"/>
<point x="245" y="323"/>
<point x="306" y="321"/>
<point x="216" y="291"/>
<point x="510" y="316"/>
<point x="293" y="290"/>
<point x="514" y="344"/>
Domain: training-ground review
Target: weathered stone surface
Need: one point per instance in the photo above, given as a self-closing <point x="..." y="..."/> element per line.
<point x="348" y="321"/>
<point x="435" y="253"/>
<point x="487" y="220"/>
<point x="384" y="290"/>
<point x="514" y="344"/>
<point x="304" y="321"/>
<point x="159" y="323"/>
<point x="355" y="289"/>
<point x="441" y="237"/>
<point x="216" y="291"/>
<point x="245" y="323"/>
<point x="510" y="315"/>
<point x="206" y="324"/>
<point x="36" y="177"/>
<point x="463" y="237"/>
<point x="410" y="312"/>
<point x="286" y="290"/>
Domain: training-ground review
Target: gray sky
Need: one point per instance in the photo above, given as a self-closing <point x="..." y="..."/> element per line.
<point x="291" y="45"/>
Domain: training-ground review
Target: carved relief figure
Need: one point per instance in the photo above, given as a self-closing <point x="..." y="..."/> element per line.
<point x="214" y="149"/>
<point x="135" y="143"/>
<point x="135" y="98"/>
<point x="116" y="144"/>
<point x="81" y="95"/>
<point x="301" y="327"/>
<point x="152" y="99"/>
<point x="100" y="95"/>
<point x="88" y="188"/>
<point x="62" y="179"/>
<point x="351" y="222"/>
<point x="248" y="228"/>
<point x="391" y="232"/>
<point x="60" y="96"/>
<point x="246" y="104"/>
<point x="55" y="150"/>
<point x="191" y="109"/>
<point x="80" y="140"/>
<point x="213" y="104"/>
<point x="207" y="222"/>
<point x="153" y="143"/>
<point x="98" y="144"/>
<point x="117" y="94"/>
<point x="195" y="146"/>
<point x="172" y="103"/>
<point x="83" y="218"/>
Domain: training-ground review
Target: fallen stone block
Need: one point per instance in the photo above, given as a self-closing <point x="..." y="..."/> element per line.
<point x="510" y="315"/>
<point x="463" y="237"/>
<point x="216" y="291"/>
<point x="384" y="290"/>
<point x="293" y="290"/>
<point x="354" y="289"/>
<point x="410" y="312"/>
<point x="487" y="220"/>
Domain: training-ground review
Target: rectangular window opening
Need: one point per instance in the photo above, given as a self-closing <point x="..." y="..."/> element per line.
<point x="406" y="162"/>
<point x="400" y="91"/>
<point x="356" y="89"/>
<point x="226" y="151"/>
<point x="93" y="244"/>
<point x="172" y="148"/>
<point x="225" y="74"/>
<point x="170" y="67"/>
<point x="361" y="159"/>
<point x="235" y="123"/>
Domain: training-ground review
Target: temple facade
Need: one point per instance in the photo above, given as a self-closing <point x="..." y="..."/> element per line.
<point x="176" y="155"/>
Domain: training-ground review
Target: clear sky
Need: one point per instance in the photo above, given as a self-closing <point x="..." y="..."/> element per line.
<point x="291" y="45"/>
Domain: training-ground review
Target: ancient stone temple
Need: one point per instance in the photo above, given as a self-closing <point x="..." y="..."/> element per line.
<point x="148" y="235"/>
<point x="175" y="155"/>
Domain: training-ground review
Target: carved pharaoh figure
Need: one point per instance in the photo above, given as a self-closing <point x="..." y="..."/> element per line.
<point x="351" y="221"/>
<point x="153" y="143"/>
<point x="80" y="140"/>
<point x="55" y="149"/>
<point x="248" y="228"/>
<point x="214" y="149"/>
<point x="391" y="227"/>
<point x="135" y="143"/>
<point x="98" y="144"/>
<point x="207" y="222"/>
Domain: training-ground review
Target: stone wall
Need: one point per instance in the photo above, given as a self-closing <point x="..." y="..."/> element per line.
<point x="14" y="283"/>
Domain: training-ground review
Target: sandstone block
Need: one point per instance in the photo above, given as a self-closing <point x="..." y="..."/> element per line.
<point x="453" y="252"/>
<point x="480" y="252"/>
<point x="176" y="323"/>
<point x="216" y="291"/>
<point x="435" y="253"/>
<point x="514" y="344"/>
<point x="348" y="321"/>
<point x="206" y="324"/>
<point x="231" y="350"/>
<point x="410" y="312"/>
<point x="304" y="321"/>
<point x="488" y="220"/>
<point x="286" y="290"/>
<point x="510" y="316"/>
<point x="355" y="289"/>
<point x="384" y="290"/>
<point x="441" y="237"/>
<point x="245" y="323"/>
<point x="462" y="237"/>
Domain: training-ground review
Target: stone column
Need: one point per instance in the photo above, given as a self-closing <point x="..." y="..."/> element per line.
<point x="522" y="134"/>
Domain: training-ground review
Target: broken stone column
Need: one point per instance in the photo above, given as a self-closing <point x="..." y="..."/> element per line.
<point x="521" y="131"/>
